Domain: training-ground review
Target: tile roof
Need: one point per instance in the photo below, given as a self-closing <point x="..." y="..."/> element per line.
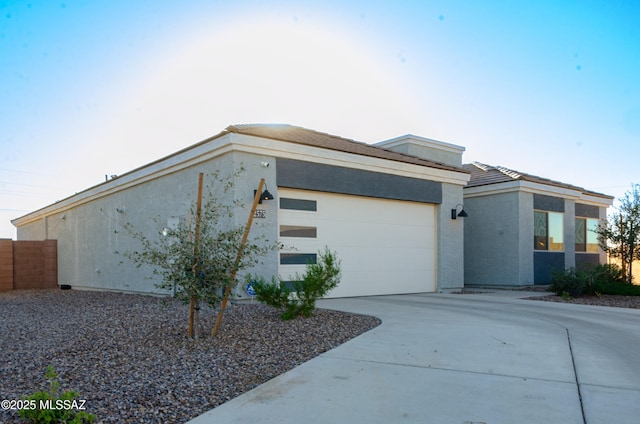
<point x="299" y="135"/>
<point x="483" y="174"/>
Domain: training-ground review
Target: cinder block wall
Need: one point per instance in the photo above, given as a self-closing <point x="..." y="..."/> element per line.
<point x="35" y="264"/>
<point x="6" y="264"/>
<point x="50" y="263"/>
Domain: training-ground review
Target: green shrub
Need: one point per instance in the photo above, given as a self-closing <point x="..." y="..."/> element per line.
<point x="592" y="280"/>
<point x="300" y="298"/>
<point x="567" y="283"/>
<point x="272" y="294"/>
<point x="622" y="289"/>
<point x="51" y="407"/>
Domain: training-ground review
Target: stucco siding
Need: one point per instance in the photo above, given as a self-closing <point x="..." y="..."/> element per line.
<point x="32" y="231"/>
<point x="492" y="240"/>
<point x="90" y="234"/>
<point x="525" y="243"/>
<point x="450" y="241"/>
<point x="569" y="234"/>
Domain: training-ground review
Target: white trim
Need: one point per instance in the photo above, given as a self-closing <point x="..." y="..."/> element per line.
<point x="588" y="199"/>
<point x="536" y="188"/>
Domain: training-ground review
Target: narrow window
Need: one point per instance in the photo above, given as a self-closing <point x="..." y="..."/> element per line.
<point x="556" y="231"/>
<point x="540" y="231"/>
<point x="289" y="284"/>
<point x="592" y="235"/>
<point x="581" y="235"/>
<point x="297" y="258"/>
<point x="298" y="231"/>
<point x="586" y="235"/>
<point x="298" y="204"/>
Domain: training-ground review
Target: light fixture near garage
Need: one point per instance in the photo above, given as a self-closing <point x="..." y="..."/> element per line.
<point x="455" y="214"/>
<point x="264" y="196"/>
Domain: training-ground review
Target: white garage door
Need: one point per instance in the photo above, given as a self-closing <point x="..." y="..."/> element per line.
<point x="385" y="246"/>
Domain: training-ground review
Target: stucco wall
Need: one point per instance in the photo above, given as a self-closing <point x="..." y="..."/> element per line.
<point x="434" y="154"/>
<point x="89" y="234"/>
<point x="33" y="231"/>
<point x="262" y="227"/>
<point x="526" y="224"/>
<point x="492" y="240"/>
<point x="450" y="241"/>
<point x="425" y="148"/>
<point x="569" y="233"/>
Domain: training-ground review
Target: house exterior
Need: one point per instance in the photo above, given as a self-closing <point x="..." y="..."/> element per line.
<point x="522" y="227"/>
<point x="385" y="209"/>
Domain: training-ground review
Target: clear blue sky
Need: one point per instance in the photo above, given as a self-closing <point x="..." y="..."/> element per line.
<point x="89" y="88"/>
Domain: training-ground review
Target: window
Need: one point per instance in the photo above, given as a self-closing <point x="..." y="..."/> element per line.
<point x="586" y="235"/>
<point x="289" y="284"/>
<point x="298" y="258"/>
<point x="298" y="231"/>
<point x="548" y="231"/>
<point x="298" y="204"/>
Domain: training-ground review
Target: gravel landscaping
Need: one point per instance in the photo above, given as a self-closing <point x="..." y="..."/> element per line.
<point x="603" y="300"/>
<point x="129" y="357"/>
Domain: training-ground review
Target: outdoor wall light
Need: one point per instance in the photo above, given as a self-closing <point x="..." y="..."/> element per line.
<point x="455" y="214"/>
<point x="264" y="196"/>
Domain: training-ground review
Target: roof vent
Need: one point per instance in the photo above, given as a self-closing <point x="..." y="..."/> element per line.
<point x="482" y="166"/>
<point x="509" y="172"/>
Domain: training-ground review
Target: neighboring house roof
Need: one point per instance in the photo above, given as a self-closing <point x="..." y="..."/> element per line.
<point x="483" y="174"/>
<point x="299" y="135"/>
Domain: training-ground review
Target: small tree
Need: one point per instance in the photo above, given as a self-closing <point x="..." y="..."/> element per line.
<point x="620" y="235"/>
<point x="197" y="261"/>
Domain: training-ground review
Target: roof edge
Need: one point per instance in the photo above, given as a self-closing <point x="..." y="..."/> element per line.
<point x="522" y="176"/>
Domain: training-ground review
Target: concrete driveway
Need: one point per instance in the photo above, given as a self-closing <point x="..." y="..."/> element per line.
<point x="472" y="358"/>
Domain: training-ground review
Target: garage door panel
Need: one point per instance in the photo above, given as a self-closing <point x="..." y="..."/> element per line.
<point x="289" y="272"/>
<point x="378" y="283"/>
<point x="407" y="263"/>
<point x="389" y="237"/>
<point x="385" y="246"/>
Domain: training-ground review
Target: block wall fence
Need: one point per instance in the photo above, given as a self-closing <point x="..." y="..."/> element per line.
<point x="28" y="264"/>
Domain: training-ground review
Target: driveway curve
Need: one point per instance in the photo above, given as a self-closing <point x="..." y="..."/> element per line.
<point x="465" y="359"/>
